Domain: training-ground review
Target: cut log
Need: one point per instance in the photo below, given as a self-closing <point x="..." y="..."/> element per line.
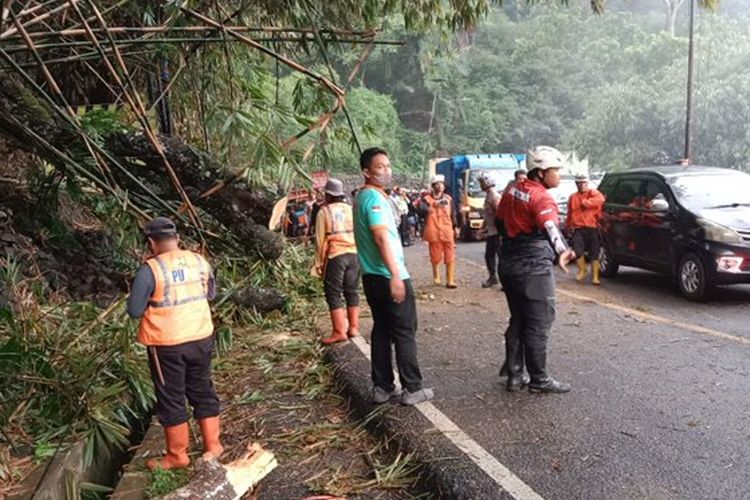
<point x="214" y="481"/>
<point x="263" y="300"/>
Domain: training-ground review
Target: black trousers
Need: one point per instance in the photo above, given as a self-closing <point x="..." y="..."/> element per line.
<point x="392" y="324"/>
<point x="531" y="299"/>
<point x="181" y="371"/>
<point x="492" y="255"/>
<point x="341" y="280"/>
<point x="586" y="240"/>
<point x="403" y="230"/>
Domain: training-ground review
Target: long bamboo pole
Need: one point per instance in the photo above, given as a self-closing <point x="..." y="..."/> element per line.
<point x="35" y="20"/>
<point x="199" y="40"/>
<point x="63" y="115"/>
<point x="56" y="89"/>
<point x="140" y="110"/>
<point x="123" y="30"/>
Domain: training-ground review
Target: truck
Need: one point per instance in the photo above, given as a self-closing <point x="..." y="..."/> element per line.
<point x="462" y="175"/>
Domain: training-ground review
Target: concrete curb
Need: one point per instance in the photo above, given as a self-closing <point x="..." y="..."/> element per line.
<point x="446" y="471"/>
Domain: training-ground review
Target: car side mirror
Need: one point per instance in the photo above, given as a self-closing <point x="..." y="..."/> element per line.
<point x="659" y="205"/>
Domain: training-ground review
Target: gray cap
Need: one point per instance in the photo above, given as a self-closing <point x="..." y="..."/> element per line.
<point x="334" y="187"/>
<point x="160" y="226"/>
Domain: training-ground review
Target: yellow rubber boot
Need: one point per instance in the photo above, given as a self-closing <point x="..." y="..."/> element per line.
<point x="595" y="269"/>
<point x="436" y="274"/>
<point x="450" y="275"/>
<point x="582" y="269"/>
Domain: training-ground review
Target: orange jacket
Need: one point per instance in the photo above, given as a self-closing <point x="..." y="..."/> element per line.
<point x="439" y="223"/>
<point x="584" y="209"/>
<point x="178" y="311"/>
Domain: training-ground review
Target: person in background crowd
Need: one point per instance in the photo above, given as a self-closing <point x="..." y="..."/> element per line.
<point x="170" y="295"/>
<point x="531" y="242"/>
<point x="402" y="205"/>
<point x="520" y="175"/>
<point x="387" y="286"/>
<point x="319" y="201"/>
<point x="441" y="231"/>
<point x="421" y="213"/>
<point x="584" y="210"/>
<point x="411" y="218"/>
<point x="492" y="241"/>
<point x="300" y="216"/>
<point x="336" y="262"/>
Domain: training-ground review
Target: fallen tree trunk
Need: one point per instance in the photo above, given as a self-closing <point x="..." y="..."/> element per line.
<point x="245" y="212"/>
<point x="214" y="481"/>
<point x="32" y="125"/>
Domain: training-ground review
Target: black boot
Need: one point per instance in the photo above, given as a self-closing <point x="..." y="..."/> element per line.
<point x="514" y="366"/>
<point x="517" y="381"/>
<point x="491" y="281"/>
<point x="550" y="385"/>
<point x="536" y="360"/>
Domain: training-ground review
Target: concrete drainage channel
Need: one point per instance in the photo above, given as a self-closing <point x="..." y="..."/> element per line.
<point x="63" y="476"/>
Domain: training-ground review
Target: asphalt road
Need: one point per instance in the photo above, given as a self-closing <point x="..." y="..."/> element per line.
<point x="659" y="407"/>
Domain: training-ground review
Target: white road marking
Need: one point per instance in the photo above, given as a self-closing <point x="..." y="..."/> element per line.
<point x="644" y="315"/>
<point x="508" y="481"/>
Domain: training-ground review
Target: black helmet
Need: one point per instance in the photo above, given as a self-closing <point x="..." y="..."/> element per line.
<point x="160" y="227"/>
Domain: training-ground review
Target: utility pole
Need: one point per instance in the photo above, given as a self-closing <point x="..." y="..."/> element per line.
<point x="689" y="113"/>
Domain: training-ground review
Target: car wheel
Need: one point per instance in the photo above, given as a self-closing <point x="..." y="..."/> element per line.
<point x="607" y="264"/>
<point x="691" y="278"/>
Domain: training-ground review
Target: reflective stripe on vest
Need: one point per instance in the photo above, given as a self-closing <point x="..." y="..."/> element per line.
<point x="339" y="228"/>
<point x="178" y="310"/>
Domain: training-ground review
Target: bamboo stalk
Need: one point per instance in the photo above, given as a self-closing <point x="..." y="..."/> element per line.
<point x="32" y="83"/>
<point x="139" y="108"/>
<point x="56" y="89"/>
<point x="249" y="41"/>
<point x="324" y="53"/>
<point x="122" y="30"/>
<point x="35" y="20"/>
<point x="199" y="40"/>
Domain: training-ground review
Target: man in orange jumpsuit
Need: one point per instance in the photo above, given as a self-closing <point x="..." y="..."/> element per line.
<point x="337" y="263"/>
<point x="441" y="231"/>
<point x="170" y="295"/>
<point x="584" y="209"/>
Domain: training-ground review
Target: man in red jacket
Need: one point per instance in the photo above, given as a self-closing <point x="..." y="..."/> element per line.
<point x="584" y="209"/>
<point x="532" y="241"/>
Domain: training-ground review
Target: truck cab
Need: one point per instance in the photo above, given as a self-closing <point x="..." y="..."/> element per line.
<point x="462" y="175"/>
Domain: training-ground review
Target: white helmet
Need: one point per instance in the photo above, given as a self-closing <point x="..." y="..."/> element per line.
<point x="485" y="181"/>
<point x="437" y="178"/>
<point x="544" y="157"/>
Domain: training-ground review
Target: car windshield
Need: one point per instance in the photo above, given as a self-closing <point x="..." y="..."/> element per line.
<point x="501" y="176"/>
<point x="712" y="190"/>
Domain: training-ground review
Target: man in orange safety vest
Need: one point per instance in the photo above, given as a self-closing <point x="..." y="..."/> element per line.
<point x="170" y="295"/>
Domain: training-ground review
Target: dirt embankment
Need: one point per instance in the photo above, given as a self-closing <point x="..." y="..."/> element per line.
<point x="53" y="240"/>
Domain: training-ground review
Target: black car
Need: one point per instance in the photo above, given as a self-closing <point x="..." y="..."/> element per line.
<point x="692" y="223"/>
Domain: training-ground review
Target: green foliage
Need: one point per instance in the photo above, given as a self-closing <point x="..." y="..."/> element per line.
<point x="376" y="123"/>
<point x="42" y="450"/>
<point x="165" y="481"/>
<point x="611" y="87"/>
<point x="67" y="373"/>
<point x="100" y="122"/>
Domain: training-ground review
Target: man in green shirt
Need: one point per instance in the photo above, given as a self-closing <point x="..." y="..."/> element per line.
<point x="387" y="285"/>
